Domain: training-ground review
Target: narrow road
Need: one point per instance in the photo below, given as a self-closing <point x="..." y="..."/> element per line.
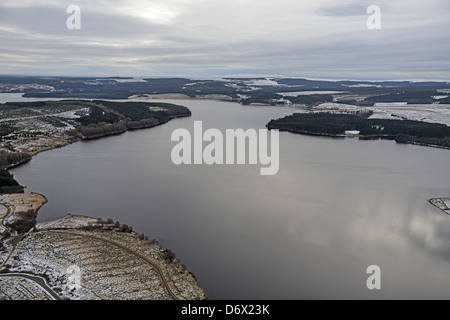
<point x="146" y="259"/>
<point x="8" y="211"/>
<point x="38" y="280"/>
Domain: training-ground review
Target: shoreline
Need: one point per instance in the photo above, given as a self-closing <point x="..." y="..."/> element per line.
<point x="35" y="153"/>
<point x="360" y="137"/>
<point x="61" y="142"/>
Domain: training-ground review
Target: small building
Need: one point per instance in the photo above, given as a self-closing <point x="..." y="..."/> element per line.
<point x="352" y="133"/>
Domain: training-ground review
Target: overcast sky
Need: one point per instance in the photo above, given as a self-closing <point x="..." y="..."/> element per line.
<point x="215" y="38"/>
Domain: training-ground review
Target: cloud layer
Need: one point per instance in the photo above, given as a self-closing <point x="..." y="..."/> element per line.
<point x="214" y="38"/>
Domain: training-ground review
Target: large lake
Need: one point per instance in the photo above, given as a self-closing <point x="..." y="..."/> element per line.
<point x="335" y="208"/>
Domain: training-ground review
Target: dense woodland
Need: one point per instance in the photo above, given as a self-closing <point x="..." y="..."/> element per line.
<point x="311" y="100"/>
<point x="104" y="118"/>
<point x="8" y="184"/>
<point x="6" y="129"/>
<point x="118" y="117"/>
<point x="137" y="111"/>
<point x="243" y="90"/>
<point x="97" y="115"/>
<point x="97" y="130"/>
<point x="334" y="124"/>
<point x="9" y="158"/>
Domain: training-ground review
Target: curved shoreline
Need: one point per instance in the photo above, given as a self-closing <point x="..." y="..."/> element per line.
<point x="14" y="203"/>
<point x="56" y="142"/>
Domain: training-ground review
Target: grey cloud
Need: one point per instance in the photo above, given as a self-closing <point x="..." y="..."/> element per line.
<point x="354" y="9"/>
<point x="52" y="21"/>
<point x="324" y="41"/>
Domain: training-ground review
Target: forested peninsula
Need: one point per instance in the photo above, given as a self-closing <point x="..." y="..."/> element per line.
<point x="359" y="124"/>
<point x="28" y="128"/>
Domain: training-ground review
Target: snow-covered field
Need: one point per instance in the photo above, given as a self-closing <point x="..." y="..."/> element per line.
<point x="107" y="271"/>
<point x="308" y="93"/>
<point x="435" y="113"/>
<point x="36" y="129"/>
<point x="18" y="288"/>
<point x="262" y="82"/>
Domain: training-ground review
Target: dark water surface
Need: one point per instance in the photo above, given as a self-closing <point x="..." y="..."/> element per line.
<point x="335" y="208"/>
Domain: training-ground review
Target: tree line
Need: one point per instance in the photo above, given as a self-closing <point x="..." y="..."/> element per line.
<point x="9" y="158"/>
<point x="406" y="131"/>
<point x="136" y="111"/>
<point x="8" y="184"/>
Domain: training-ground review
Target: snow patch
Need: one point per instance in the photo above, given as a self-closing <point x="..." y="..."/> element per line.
<point x="262" y="82"/>
<point x="308" y="93"/>
<point x="362" y="85"/>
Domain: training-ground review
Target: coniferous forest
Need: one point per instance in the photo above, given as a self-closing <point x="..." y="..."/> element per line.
<point x="336" y="124"/>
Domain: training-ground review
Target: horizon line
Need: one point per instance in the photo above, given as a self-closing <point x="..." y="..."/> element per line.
<point x="243" y="76"/>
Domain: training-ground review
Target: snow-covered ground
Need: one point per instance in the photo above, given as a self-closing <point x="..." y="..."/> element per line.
<point x="107" y="271"/>
<point x="434" y="113"/>
<point x="78" y="257"/>
<point x="362" y="85"/>
<point x="262" y="82"/>
<point x="308" y="93"/>
<point x="5" y="87"/>
<point x="18" y="288"/>
<point x="127" y="80"/>
<point x="39" y="128"/>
